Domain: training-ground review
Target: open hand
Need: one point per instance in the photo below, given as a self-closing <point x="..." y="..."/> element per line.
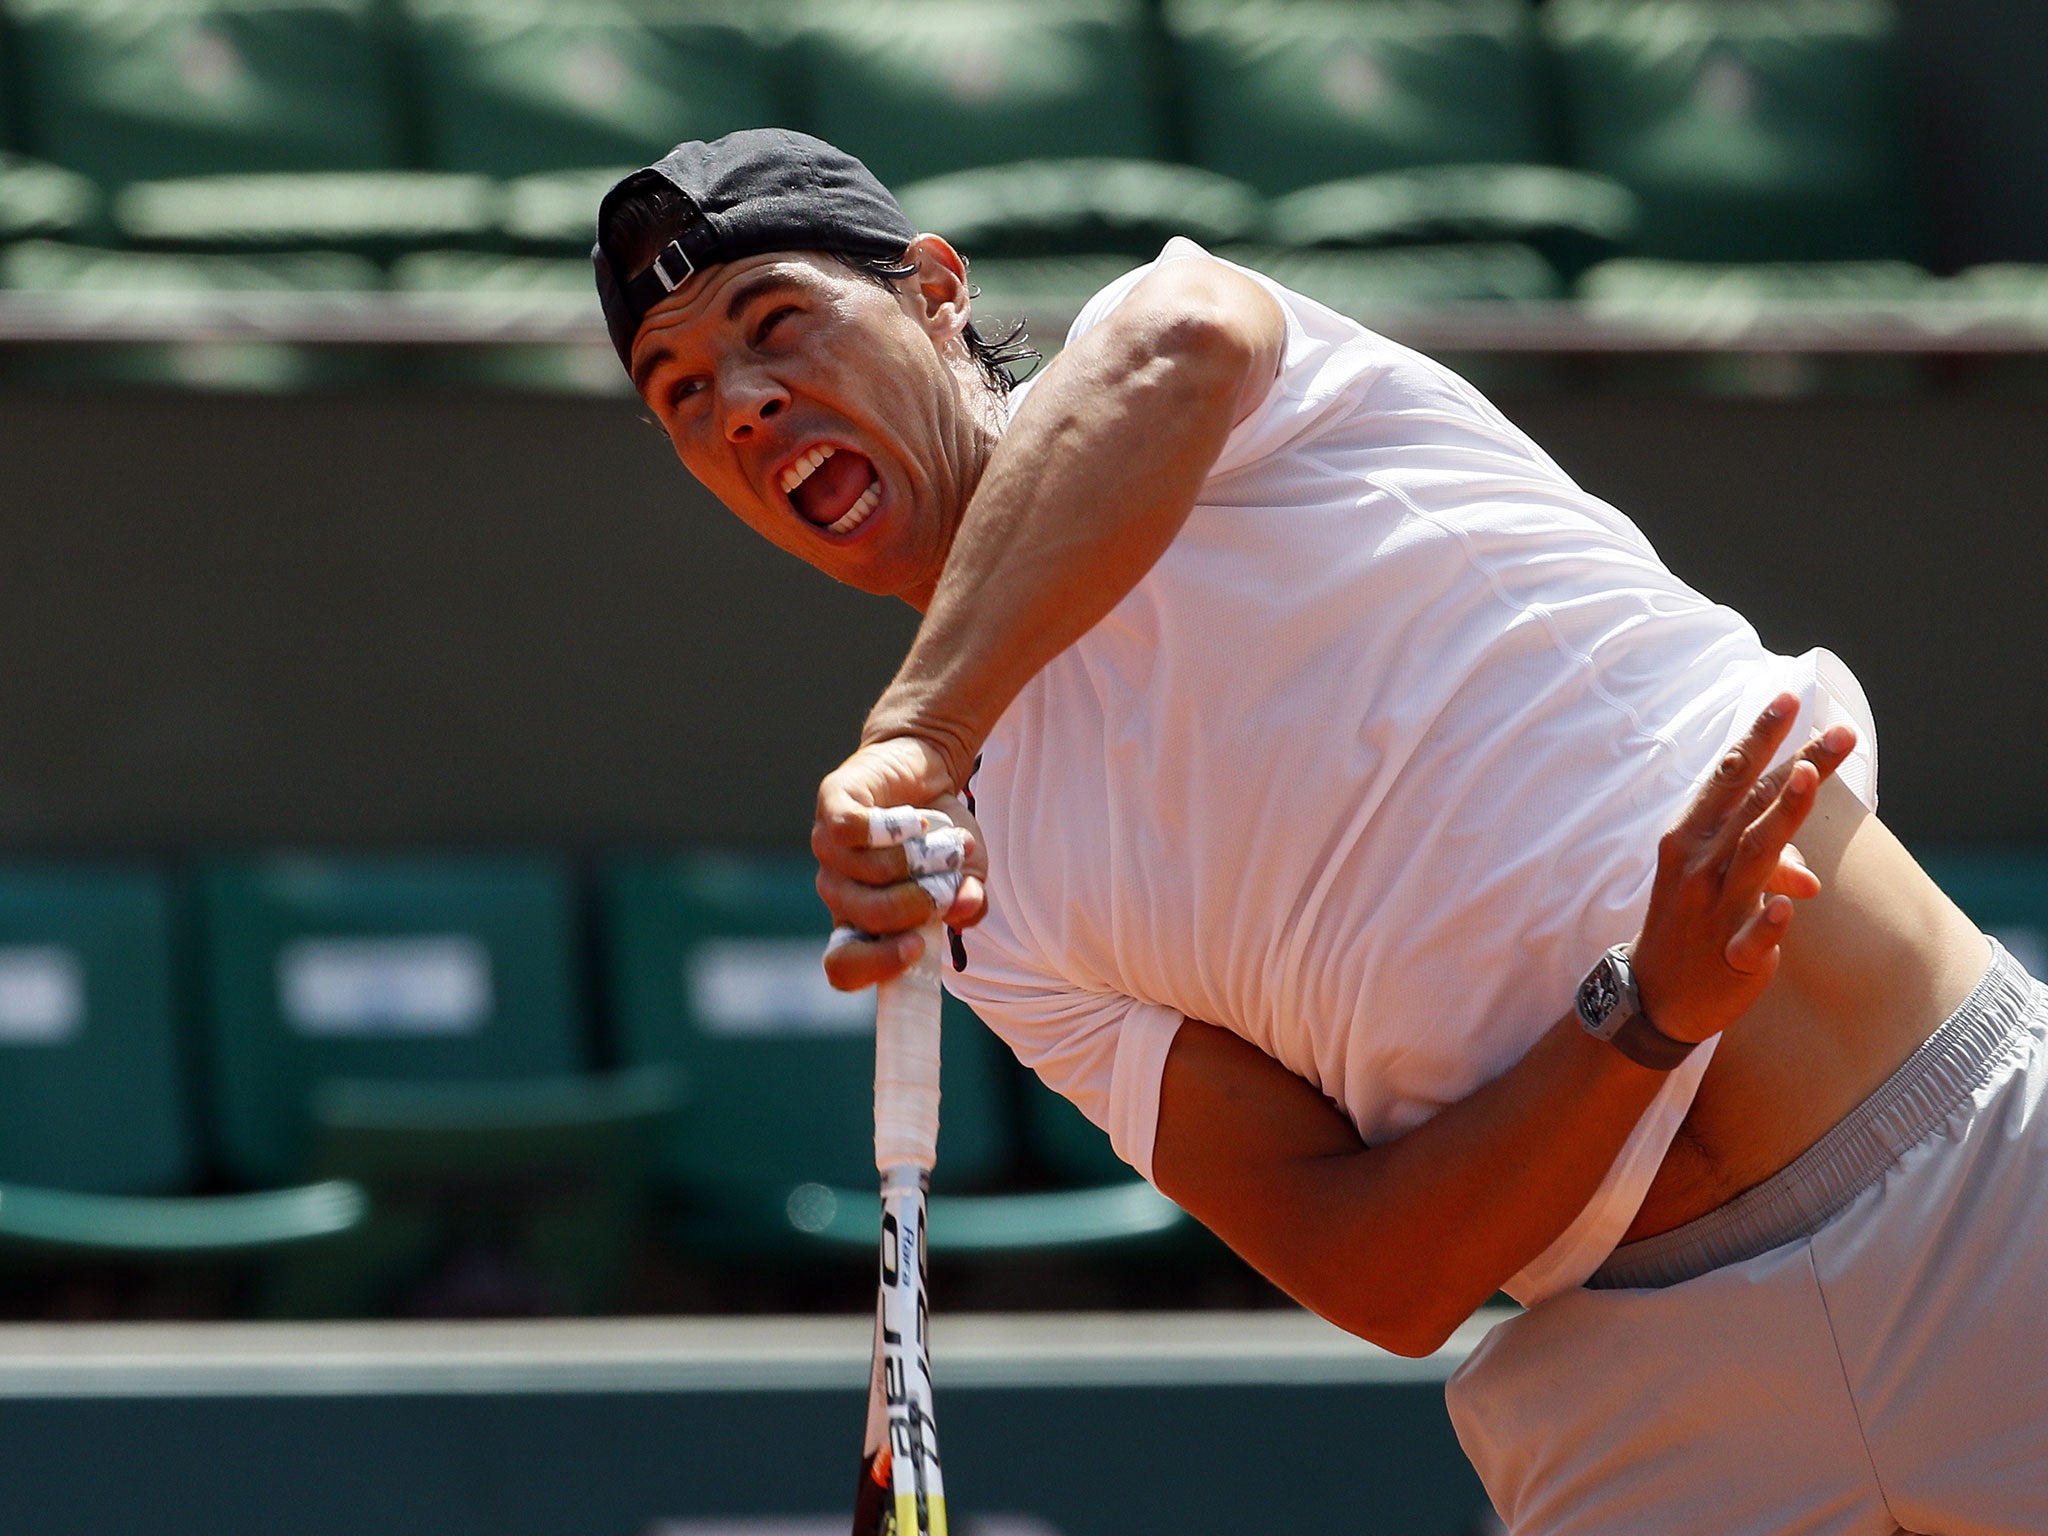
<point x="1727" y="876"/>
<point x="870" y="888"/>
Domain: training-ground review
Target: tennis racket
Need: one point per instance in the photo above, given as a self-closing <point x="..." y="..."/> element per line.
<point x="901" y="1492"/>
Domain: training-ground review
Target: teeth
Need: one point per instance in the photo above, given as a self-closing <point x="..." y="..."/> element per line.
<point x="858" y="512"/>
<point x="800" y="471"/>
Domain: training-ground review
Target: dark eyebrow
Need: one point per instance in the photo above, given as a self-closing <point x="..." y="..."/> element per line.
<point x="753" y="288"/>
<point x="742" y="296"/>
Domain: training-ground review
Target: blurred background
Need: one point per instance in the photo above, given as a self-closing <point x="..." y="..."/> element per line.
<point x="405" y="769"/>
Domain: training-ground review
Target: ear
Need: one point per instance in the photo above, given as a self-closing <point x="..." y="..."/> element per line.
<point x="939" y="288"/>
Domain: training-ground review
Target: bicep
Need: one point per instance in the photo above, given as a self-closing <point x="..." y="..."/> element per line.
<point x="1214" y="310"/>
<point x="1239" y="1141"/>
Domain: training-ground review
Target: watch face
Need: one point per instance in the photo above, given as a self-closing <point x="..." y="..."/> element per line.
<point x="1599" y="994"/>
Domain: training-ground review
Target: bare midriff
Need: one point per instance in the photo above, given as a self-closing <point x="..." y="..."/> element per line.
<point x="1870" y="968"/>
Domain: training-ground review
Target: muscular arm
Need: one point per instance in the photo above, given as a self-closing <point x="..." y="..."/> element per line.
<point x="1397" y="1243"/>
<point x="1089" y="485"/>
<point x="1400" y="1242"/>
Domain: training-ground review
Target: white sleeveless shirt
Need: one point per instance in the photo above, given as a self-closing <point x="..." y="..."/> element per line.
<point x="1368" y="769"/>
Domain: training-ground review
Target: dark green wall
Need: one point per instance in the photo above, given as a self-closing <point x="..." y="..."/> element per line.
<point x="1977" y="71"/>
<point x="1909" y="536"/>
<point x="417" y="618"/>
<point x="1376" y="1460"/>
<point x="400" y="618"/>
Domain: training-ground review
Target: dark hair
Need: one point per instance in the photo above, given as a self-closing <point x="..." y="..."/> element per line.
<point x="637" y="226"/>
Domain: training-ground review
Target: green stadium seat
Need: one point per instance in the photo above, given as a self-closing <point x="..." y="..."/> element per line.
<point x="376" y="213"/>
<point x="430" y="971"/>
<point x="1713" y="306"/>
<point x="510" y="289"/>
<point x="549" y="1183"/>
<point x="1057" y="207"/>
<point x="64" y="1224"/>
<point x="1573" y="217"/>
<point x="137" y="288"/>
<point x="1368" y="284"/>
<point x="918" y="88"/>
<point x="1284" y="94"/>
<point x="126" y="90"/>
<point x="1103" y="1203"/>
<point x="1722" y="300"/>
<point x="38" y="200"/>
<point x="715" y="973"/>
<point x="1066" y="1142"/>
<point x="93" y="1090"/>
<point x="1127" y="1213"/>
<point x="412" y="1025"/>
<point x="2005" y="892"/>
<point x="1046" y="293"/>
<point x="715" y="969"/>
<point x="511" y="87"/>
<point x="1753" y="130"/>
<point x="2008" y="292"/>
<point x="557" y="210"/>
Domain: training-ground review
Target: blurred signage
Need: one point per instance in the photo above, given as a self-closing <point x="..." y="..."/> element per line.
<point x="757" y="987"/>
<point x="42" y="994"/>
<point x="431" y="984"/>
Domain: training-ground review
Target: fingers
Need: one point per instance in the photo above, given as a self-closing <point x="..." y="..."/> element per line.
<point x="901" y="770"/>
<point x="870" y="866"/>
<point x="970" y="906"/>
<point x="1728" y="876"/>
<point x="1765" y="873"/>
<point x="854" y="963"/>
<point x="875" y="890"/>
<point x="876" y="909"/>
<point x="1739" y="768"/>
<point x="1792" y="877"/>
<point x="1757" y="849"/>
<point x="1826" y="752"/>
<point x="1775" y="808"/>
<point x="1755" y="949"/>
<point x="891" y="866"/>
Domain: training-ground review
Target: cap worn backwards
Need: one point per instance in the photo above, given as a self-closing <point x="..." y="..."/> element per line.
<point x="759" y="190"/>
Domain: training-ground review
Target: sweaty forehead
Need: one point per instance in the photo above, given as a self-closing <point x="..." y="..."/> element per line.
<point x="710" y="300"/>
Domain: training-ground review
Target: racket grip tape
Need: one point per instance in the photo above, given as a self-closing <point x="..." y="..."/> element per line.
<point x="907" y="1061"/>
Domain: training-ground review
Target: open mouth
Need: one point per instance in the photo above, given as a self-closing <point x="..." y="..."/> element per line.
<point x="833" y="488"/>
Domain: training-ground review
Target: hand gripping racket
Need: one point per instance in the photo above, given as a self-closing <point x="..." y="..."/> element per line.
<point x="900" y="1492"/>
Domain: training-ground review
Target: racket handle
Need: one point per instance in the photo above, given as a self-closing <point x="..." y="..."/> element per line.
<point x="907" y="1061"/>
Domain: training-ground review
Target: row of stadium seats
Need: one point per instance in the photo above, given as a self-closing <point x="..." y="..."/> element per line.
<point x="424" y="1031"/>
<point x="1717" y="130"/>
<point x="474" y="1068"/>
<point x="1697" y="301"/>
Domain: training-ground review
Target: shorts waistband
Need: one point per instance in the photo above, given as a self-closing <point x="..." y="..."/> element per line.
<point x="1957" y="1060"/>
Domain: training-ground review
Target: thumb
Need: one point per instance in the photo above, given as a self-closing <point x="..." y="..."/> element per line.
<point x="899" y="770"/>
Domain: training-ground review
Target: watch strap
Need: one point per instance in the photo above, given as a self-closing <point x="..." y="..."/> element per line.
<point x="1648" y="1046"/>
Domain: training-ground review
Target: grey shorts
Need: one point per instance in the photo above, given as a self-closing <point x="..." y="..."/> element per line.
<point x="1857" y="1345"/>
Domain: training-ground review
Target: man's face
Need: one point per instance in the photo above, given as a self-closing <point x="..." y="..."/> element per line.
<point x="823" y="409"/>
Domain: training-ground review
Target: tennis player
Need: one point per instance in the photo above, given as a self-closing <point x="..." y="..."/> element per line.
<point x="1374" y="838"/>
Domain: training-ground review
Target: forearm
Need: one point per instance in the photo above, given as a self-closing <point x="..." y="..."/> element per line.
<point x="1438" y="1220"/>
<point x="1400" y="1242"/>
<point x="1087" y="488"/>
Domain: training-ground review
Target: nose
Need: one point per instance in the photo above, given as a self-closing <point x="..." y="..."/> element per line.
<point x="752" y="398"/>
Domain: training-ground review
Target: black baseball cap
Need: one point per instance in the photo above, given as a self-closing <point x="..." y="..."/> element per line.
<point x="761" y="189"/>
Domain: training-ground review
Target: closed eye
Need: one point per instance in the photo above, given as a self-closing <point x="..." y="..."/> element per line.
<point x="770" y="321"/>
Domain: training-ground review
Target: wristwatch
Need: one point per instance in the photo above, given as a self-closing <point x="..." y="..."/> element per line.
<point x="1611" y="1009"/>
